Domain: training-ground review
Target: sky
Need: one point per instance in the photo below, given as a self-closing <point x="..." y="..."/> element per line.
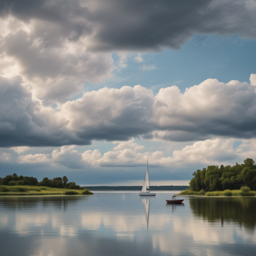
<point x="92" y="89"/>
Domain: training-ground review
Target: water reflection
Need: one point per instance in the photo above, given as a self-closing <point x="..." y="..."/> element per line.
<point x="118" y="224"/>
<point x="174" y="206"/>
<point x="146" y="203"/>
<point x="225" y="210"/>
<point x="59" y="202"/>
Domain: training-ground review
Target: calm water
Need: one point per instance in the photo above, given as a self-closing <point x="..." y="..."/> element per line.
<point x="125" y="224"/>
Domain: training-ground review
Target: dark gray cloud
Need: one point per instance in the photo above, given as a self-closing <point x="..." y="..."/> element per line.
<point x="135" y="24"/>
<point x="24" y="121"/>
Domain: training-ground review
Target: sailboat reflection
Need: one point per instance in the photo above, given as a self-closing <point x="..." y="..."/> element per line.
<point x="146" y="203"/>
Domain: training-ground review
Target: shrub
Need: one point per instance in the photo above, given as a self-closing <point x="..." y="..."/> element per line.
<point x="71" y="193"/>
<point x="201" y="192"/>
<point x="35" y="189"/>
<point x="87" y="192"/>
<point x="12" y="183"/>
<point x="245" y="189"/>
<point x="19" y="189"/>
<point x="188" y="192"/>
<point x="4" y="189"/>
<point x="227" y="192"/>
<point x="208" y="194"/>
<point x="20" y="182"/>
<point x="72" y="185"/>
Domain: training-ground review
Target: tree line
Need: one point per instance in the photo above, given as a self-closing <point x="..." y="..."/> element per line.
<point x="214" y="178"/>
<point x="57" y="182"/>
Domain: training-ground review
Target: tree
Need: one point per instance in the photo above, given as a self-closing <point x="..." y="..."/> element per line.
<point x="72" y="185"/>
<point x="65" y="181"/>
<point x="45" y="182"/>
<point x="215" y="178"/>
<point x="249" y="162"/>
<point x="57" y="182"/>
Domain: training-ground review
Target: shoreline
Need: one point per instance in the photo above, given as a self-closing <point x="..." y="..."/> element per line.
<point x="225" y="193"/>
<point x="29" y="190"/>
<point x="38" y="195"/>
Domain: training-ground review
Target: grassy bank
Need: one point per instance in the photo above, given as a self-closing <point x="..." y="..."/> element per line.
<point x="40" y="190"/>
<point x="218" y="193"/>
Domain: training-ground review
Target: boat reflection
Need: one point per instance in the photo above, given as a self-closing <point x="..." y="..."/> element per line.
<point x="174" y="206"/>
<point x="146" y="203"/>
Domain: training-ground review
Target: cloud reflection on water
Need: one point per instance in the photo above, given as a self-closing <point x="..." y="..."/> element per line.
<point x="118" y="224"/>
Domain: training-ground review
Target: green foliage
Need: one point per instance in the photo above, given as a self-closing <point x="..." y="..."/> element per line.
<point x="245" y="189"/>
<point x="35" y="190"/>
<point x="188" y="192"/>
<point x="4" y="189"/>
<point x="12" y="183"/>
<point x="71" y="193"/>
<point x="57" y="182"/>
<point x="215" y="178"/>
<point x="72" y="185"/>
<point x="86" y="192"/>
<point x="65" y="181"/>
<point x="20" y="182"/>
<point x="20" y="189"/>
<point x="201" y="192"/>
<point x="249" y="162"/>
<point x="227" y="192"/>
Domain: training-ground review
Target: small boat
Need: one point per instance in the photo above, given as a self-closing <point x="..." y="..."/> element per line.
<point x="145" y="188"/>
<point x="174" y="201"/>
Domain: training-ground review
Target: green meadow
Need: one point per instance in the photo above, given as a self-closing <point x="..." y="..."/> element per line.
<point x="7" y="190"/>
<point x="244" y="191"/>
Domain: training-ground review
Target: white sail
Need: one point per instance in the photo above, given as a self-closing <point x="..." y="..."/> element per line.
<point x="146" y="187"/>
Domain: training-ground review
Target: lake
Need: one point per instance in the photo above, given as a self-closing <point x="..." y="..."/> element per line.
<point x="126" y="224"/>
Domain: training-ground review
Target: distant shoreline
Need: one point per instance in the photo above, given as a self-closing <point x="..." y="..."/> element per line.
<point x="129" y="188"/>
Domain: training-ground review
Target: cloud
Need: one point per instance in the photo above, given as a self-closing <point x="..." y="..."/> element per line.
<point x="139" y="58"/>
<point x="133" y="25"/>
<point x="52" y="72"/>
<point x="26" y="122"/>
<point x="20" y="150"/>
<point x="110" y="114"/>
<point x="68" y="157"/>
<point x="148" y="67"/>
<point x="123" y="59"/>
<point x="208" y="110"/>
<point x="57" y="46"/>
<point x="34" y="159"/>
<point x="147" y="25"/>
<point x="130" y="154"/>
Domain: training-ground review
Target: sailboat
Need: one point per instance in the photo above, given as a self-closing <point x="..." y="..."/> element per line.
<point x="145" y="188"/>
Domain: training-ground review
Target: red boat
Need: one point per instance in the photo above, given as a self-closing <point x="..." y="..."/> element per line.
<point x="175" y="201"/>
